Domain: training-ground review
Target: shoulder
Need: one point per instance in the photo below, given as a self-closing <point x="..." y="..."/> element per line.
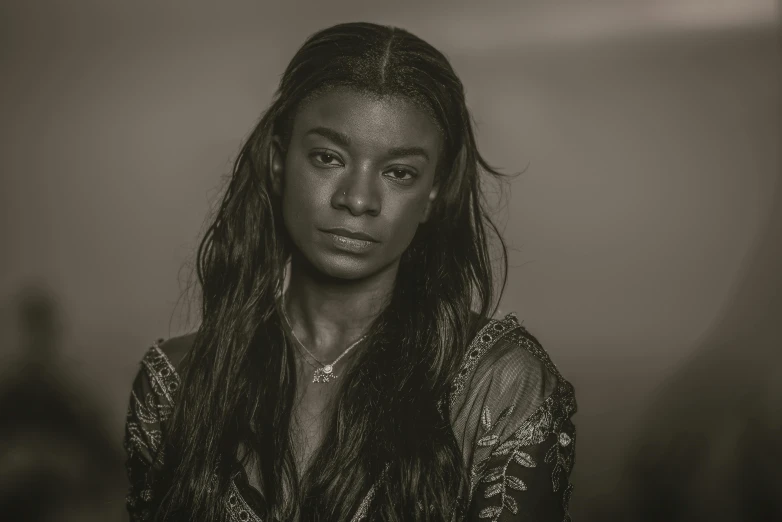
<point x="511" y="417"/>
<point x="151" y="405"/>
<point x="176" y="348"/>
<point x="157" y="378"/>
<point x="166" y="354"/>
<point x="153" y="393"/>
<point x="506" y="365"/>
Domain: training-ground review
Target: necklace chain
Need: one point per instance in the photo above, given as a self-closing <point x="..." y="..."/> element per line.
<point x="326" y="371"/>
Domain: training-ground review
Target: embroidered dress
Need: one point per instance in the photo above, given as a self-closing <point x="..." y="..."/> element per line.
<point x="510" y="410"/>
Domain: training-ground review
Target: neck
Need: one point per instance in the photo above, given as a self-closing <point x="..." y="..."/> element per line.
<point x="328" y="314"/>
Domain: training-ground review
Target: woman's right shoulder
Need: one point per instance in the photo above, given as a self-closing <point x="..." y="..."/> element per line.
<point x="152" y="399"/>
<point x="158" y="375"/>
<point x="168" y="352"/>
<point x="176" y="348"/>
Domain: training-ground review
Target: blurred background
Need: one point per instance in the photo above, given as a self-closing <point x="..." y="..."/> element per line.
<point x="646" y="230"/>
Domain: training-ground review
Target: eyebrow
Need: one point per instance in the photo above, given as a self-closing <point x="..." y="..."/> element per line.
<point x="399" y="152"/>
<point x="344" y="140"/>
<point x="335" y="136"/>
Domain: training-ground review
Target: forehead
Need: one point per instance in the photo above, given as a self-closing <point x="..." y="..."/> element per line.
<point x="370" y="119"/>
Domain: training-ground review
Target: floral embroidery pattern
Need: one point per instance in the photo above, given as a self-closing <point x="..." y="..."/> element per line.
<point x="547" y="425"/>
<point x="497" y="477"/>
<point x="535" y="430"/>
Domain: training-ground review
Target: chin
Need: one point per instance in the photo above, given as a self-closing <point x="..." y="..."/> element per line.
<point x="344" y="267"/>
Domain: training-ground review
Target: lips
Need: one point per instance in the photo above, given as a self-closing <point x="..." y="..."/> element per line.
<point x="361" y="236"/>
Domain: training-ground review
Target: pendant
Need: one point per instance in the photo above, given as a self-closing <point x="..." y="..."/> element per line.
<point x="324" y="374"/>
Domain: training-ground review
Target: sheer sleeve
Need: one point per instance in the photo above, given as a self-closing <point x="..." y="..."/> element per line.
<point x="151" y="403"/>
<point x="512" y="416"/>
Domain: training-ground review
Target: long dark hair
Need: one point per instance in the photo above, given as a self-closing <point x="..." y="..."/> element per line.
<point x="239" y="375"/>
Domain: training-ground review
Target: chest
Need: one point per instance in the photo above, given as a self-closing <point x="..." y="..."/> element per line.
<point x="310" y="418"/>
<point x="309" y="424"/>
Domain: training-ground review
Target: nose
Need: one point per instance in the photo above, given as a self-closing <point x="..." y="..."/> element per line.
<point x="358" y="192"/>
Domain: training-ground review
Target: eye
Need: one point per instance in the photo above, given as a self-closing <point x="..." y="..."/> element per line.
<point x="401" y="174"/>
<point x="325" y="158"/>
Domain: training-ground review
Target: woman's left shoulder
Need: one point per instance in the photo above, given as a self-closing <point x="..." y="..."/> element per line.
<point x="506" y="361"/>
<point x="511" y="413"/>
<point x="519" y="348"/>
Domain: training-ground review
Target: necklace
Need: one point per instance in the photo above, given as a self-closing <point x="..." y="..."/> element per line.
<point x="324" y="373"/>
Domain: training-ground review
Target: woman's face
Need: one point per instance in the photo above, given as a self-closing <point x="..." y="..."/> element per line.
<point x="356" y="180"/>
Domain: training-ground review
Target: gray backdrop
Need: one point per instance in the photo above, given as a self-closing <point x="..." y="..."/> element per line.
<point x="644" y="229"/>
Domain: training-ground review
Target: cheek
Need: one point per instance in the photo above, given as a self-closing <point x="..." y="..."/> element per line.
<point x="300" y="194"/>
<point x="408" y="220"/>
<point x="297" y="206"/>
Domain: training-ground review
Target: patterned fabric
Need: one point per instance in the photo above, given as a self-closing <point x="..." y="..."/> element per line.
<point x="238" y="508"/>
<point x="510" y="410"/>
<point x="151" y="404"/>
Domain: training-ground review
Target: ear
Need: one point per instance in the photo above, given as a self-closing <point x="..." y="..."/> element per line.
<point x="457" y="172"/>
<point x="430" y="202"/>
<point x="276" y="164"/>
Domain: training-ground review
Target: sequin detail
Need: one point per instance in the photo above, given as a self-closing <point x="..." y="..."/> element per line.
<point x="487" y="336"/>
<point x="237" y="508"/>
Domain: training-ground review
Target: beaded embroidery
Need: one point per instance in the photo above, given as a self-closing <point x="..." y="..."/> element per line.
<point x="492" y="332"/>
<point x="237" y="507"/>
<point x="143" y="435"/>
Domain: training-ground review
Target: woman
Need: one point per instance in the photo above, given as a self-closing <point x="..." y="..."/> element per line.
<point x="346" y="367"/>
